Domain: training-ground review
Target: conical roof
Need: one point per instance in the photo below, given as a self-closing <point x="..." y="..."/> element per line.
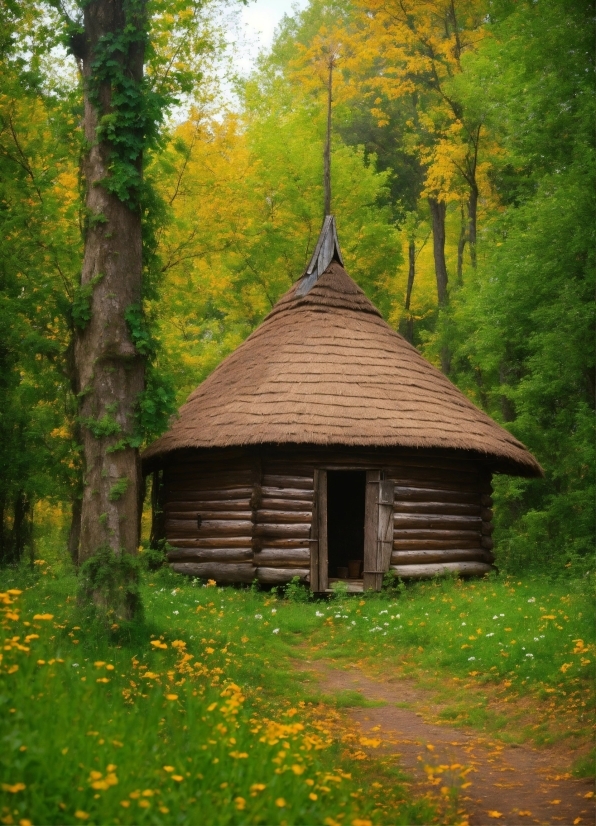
<point x="324" y="368"/>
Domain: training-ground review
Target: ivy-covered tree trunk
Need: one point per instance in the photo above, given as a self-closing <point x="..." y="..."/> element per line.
<point x="109" y="368"/>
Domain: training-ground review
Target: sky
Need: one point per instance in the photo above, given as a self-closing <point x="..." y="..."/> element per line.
<point x="259" y="20"/>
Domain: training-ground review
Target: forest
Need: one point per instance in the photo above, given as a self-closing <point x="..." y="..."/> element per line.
<point x="155" y="203"/>
<point x="462" y="162"/>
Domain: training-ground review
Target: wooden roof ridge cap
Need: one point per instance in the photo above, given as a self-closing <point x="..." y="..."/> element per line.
<point x="327" y="249"/>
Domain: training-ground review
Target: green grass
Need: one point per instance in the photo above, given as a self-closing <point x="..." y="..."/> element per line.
<point x="198" y="715"/>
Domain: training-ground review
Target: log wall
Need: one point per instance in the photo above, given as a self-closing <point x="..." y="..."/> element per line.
<point x="237" y="515"/>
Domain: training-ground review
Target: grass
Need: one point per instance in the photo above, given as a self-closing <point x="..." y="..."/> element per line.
<point x="197" y="714"/>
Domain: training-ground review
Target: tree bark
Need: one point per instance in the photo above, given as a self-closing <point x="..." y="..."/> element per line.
<point x="472" y="220"/>
<point x="437" y="212"/>
<point x="409" y="331"/>
<point x="461" y="245"/>
<point x="110" y="370"/>
<point x="74" y="533"/>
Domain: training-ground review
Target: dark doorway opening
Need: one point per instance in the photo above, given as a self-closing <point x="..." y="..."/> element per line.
<point x="345" y="522"/>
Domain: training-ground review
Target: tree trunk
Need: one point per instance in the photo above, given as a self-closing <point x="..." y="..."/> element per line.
<point x="409" y="330"/>
<point x="472" y="221"/>
<point x="21" y="528"/>
<point x="74" y="533"/>
<point x="437" y="212"/>
<point x="110" y="370"/>
<point x="461" y="245"/>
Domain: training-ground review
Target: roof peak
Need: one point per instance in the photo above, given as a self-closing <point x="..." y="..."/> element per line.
<point x="326" y="250"/>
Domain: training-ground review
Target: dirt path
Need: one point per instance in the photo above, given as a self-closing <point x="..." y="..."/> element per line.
<point x="498" y="783"/>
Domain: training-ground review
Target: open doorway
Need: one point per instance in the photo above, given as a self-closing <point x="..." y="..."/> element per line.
<point x="346" y="491"/>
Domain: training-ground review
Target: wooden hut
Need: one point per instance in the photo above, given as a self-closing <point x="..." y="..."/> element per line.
<point x="326" y="447"/>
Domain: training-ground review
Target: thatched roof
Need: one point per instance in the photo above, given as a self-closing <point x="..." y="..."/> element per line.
<point x="325" y="369"/>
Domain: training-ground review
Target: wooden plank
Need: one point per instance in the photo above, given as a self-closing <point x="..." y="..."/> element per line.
<point x="425" y="493"/>
<point x="435" y="534"/>
<point x="220" y="572"/>
<point x="313" y="539"/>
<point x="487" y="528"/>
<point x="385" y="525"/>
<point x="438" y="568"/>
<point x="269" y="542"/>
<point x="230" y="494"/>
<point x="287" y="493"/>
<point x="210" y="541"/>
<point x="289" y="531"/>
<point x="440" y="521"/>
<point x="188" y="527"/>
<point x="444" y="555"/>
<point x="416" y="544"/>
<point x="487" y="542"/>
<point x="279" y="517"/>
<point x="486" y="514"/>
<point x="371" y="577"/>
<point x="438" y="508"/>
<point x="210" y="555"/>
<point x="323" y="532"/>
<point x="242" y="505"/>
<point x="279" y="576"/>
<point x="209" y="516"/>
<point x="275" y="558"/>
<point x="486" y="501"/>
<point x="270" y="504"/>
<point x="283" y="481"/>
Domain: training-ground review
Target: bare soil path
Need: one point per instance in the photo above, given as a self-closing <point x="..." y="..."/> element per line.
<point x="497" y="783"/>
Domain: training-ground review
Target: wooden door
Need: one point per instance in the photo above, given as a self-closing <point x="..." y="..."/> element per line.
<point x="319" y="567"/>
<point x="378" y="529"/>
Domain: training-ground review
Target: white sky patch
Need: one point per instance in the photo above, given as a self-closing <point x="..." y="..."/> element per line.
<point x="258" y="22"/>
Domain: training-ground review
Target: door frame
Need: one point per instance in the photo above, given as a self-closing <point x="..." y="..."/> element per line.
<point x="378" y="529"/>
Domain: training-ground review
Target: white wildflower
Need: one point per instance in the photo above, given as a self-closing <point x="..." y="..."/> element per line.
<point x="274" y="610"/>
<point x="470" y="659"/>
<point x="275" y="631"/>
<point x="492" y="634"/>
<point x="532" y="599"/>
<point x="319" y="614"/>
<point x="175" y="612"/>
<point x="258" y="616"/>
<point x="463" y="623"/>
<point x="353" y="622"/>
<point x="530" y="655"/>
<point x="75" y="665"/>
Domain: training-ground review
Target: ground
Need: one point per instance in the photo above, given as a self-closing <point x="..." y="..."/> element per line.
<point x="444" y="702"/>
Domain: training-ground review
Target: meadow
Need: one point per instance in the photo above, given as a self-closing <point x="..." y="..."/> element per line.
<point x="197" y="713"/>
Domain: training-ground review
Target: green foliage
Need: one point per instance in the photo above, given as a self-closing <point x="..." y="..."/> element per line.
<point x="297" y="591"/>
<point x="118" y="489"/>
<point x="520" y="330"/>
<point x="81" y="302"/>
<point x="110" y="583"/>
<point x="103" y="427"/>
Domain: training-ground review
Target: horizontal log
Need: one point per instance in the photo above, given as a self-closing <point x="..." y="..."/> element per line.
<point x="264" y="517"/>
<point x="438" y="508"/>
<point x="453" y="484"/>
<point x="428" y="522"/>
<point x="296" y="494"/>
<point x="486" y="514"/>
<point x="186" y="494"/>
<point x="209" y="541"/>
<point x="206" y="484"/>
<point x="209" y="516"/>
<point x="405" y="493"/>
<point x="439" y="535"/>
<point x="292" y="482"/>
<point x="281" y="531"/>
<point x="438" y="568"/>
<point x="220" y="572"/>
<point x="486" y="500"/>
<point x="487" y="542"/>
<point x="186" y="527"/>
<point x="210" y="555"/>
<point x="430" y="544"/>
<point x="279" y="576"/>
<point x="447" y="555"/>
<point x="277" y="558"/>
<point x="487" y="528"/>
<point x="271" y="504"/>
<point x="280" y="543"/>
<point x="192" y="506"/>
